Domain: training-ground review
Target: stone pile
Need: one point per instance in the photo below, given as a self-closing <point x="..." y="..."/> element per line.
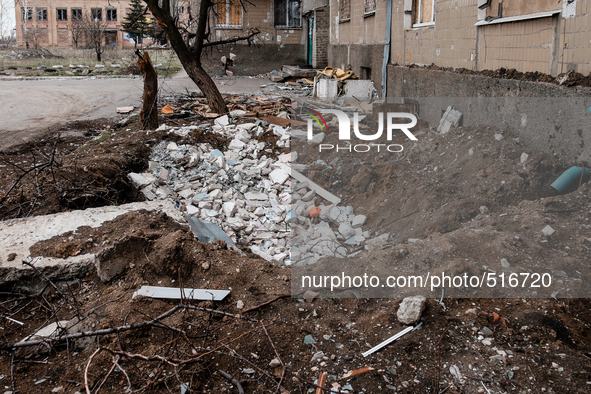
<point x="248" y="193"/>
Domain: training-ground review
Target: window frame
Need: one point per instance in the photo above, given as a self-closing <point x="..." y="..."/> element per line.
<point x="228" y="8"/>
<point x="96" y="11"/>
<point x="344" y="14"/>
<point x="26" y="15"/>
<point x="375" y="6"/>
<point x="287" y="25"/>
<point x="43" y="11"/>
<point x="111" y="11"/>
<point x="74" y="17"/>
<point x="419" y="14"/>
<point x="63" y="13"/>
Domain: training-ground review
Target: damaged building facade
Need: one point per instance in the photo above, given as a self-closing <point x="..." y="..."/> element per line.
<point x="47" y="23"/>
<point x="293" y="29"/>
<point x="550" y="37"/>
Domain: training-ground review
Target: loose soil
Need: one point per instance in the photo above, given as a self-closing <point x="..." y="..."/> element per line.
<point x="434" y="191"/>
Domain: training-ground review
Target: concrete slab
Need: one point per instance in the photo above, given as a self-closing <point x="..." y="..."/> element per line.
<point x="327" y="89"/>
<point x="17" y="236"/>
<point x="297" y="72"/>
<point x="361" y="89"/>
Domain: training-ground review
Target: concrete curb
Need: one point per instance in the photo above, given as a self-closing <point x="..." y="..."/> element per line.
<point x="19" y="235"/>
<point x="65" y="77"/>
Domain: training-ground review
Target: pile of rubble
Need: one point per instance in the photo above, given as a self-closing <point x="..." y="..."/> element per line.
<point x="247" y="191"/>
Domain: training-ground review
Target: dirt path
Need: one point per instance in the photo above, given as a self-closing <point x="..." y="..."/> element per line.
<point x="30" y="108"/>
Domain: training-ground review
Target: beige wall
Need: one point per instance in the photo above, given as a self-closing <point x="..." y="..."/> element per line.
<point x="575" y="41"/>
<point x="359" y="29"/>
<point x="552" y="44"/>
<point x="260" y="14"/>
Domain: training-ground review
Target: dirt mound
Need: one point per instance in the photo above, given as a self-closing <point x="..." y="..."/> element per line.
<point x="570" y="78"/>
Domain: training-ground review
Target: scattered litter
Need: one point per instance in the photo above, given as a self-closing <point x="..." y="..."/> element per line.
<point x="167" y="109"/>
<point x="455" y="371"/>
<point x="357" y="371"/>
<point x="390" y="340"/>
<point x="174" y="293"/>
<point x="207" y="232"/>
<point x="321" y="383"/>
<point x="571" y="178"/>
<point x="548" y="230"/>
<point x="48" y="331"/>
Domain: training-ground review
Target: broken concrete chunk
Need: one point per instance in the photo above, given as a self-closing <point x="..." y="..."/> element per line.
<point x="141" y="180"/>
<point x="346" y="230"/>
<point x="548" y="230"/>
<point x="236" y="144"/>
<point x="451" y="117"/>
<point x="222" y="121"/>
<point x="410" y="309"/>
<point x="359" y="220"/>
<point x="124" y="110"/>
<point x="278" y="176"/>
<point x="258" y="196"/>
<point x="309" y="196"/>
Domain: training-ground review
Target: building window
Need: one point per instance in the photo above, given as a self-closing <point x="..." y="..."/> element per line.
<point x="76" y="14"/>
<point x="111" y="14"/>
<point x="344" y="10"/>
<point x="288" y="13"/>
<point x="229" y="13"/>
<point x="97" y="14"/>
<point x="369" y="7"/>
<point x="28" y="15"/>
<point x="41" y="14"/>
<point x="62" y="14"/>
<point x="424" y="12"/>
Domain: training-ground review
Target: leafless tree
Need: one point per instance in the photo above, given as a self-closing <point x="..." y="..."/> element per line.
<point x="77" y="32"/>
<point x="6" y="31"/>
<point x="27" y="15"/>
<point x="189" y="41"/>
<point x="92" y="32"/>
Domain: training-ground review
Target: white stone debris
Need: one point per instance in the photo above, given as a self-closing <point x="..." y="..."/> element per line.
<point x="410" y="309"/>
<point x="259" y="201"/>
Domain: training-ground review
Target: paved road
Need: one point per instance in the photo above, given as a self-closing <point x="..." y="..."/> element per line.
<point x="28" y="108"/>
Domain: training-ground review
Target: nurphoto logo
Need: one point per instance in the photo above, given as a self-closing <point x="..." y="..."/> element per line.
<point x="392" y="123"/>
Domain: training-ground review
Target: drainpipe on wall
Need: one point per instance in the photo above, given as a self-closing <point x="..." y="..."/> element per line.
<point x="387" y="48"/>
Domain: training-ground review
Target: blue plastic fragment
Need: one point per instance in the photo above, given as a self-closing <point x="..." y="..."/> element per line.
<point x="308" y="339"/>
<point x="217" y="153"/>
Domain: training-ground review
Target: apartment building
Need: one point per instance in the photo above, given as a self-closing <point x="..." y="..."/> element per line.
<point x="51" y="23"/>
<point x="547" y="36"/>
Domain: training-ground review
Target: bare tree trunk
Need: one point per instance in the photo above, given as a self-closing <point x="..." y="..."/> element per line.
<point x="196" y="72"/>
<point x="149" y="113"/>
<point x="190" y="58"/>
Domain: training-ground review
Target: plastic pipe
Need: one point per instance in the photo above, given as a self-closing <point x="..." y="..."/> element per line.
<point x="570" y="177"/>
